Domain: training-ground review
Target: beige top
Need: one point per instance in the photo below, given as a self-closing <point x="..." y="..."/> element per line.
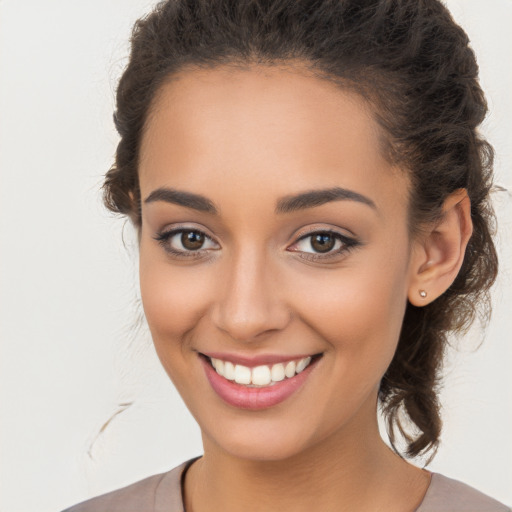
<point x="163" y="493"/>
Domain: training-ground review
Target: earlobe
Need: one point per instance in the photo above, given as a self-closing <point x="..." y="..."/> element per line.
<point x="438" y="256"/>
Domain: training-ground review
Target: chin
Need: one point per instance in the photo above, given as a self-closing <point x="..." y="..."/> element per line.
<point x="260" y="450"/>
<point x="262" y="440"/>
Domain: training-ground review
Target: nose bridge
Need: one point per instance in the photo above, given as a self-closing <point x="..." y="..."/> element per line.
<point x="248" y="304"/>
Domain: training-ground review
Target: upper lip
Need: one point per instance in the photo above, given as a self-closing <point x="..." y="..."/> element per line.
<point x="256" y="360"/>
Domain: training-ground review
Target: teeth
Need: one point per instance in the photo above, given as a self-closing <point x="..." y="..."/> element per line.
<point x="289" y="369"/>
<point x="220" y="367"/>
<point x="229" y="371"/>
<point x="277" y="372"/>
<point x="242" y="374"/>
<point x="259" y="375"/>
<point x="301" y="365"/>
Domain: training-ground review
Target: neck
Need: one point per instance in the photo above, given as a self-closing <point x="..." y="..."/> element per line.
<point x="353" y="469"/>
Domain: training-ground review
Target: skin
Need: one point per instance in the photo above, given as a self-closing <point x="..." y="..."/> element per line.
<point x="246" y="138"/>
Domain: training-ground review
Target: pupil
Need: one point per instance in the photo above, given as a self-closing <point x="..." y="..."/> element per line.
<point x="192" y="240"/>
<point x="322" y="242"/>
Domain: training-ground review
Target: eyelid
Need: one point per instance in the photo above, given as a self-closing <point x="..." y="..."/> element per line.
<point x="324" y="228"/>
<point x="171" y="229"/>
<point x="164" y="235"/>
<point x="348" y="242"/>
<point x="337" y="238"/>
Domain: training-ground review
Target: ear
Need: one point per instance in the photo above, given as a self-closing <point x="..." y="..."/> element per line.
<point x="438" y="254"/>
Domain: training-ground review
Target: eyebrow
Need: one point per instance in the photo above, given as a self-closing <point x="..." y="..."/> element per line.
<point x="313" y="198"/>
<point x="181" y="198"/>
<point x="302" y="201"/>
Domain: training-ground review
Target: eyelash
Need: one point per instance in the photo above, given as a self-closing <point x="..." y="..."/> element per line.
<point x="164" y="237"/>
<point x="348" y="244"/>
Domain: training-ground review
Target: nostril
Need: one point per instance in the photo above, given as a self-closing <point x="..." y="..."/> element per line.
<point x="244" y="326"/>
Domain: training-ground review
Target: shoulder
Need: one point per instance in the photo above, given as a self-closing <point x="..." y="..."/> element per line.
<point x="152" y="494"/>
<point x="137" y="496"/>
<point x="449" y="495"/>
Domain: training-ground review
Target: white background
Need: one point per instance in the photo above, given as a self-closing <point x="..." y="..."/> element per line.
<point x="68" y="287"/>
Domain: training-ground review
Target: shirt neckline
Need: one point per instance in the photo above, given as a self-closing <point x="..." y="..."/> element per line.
<point x="186" y="465"/>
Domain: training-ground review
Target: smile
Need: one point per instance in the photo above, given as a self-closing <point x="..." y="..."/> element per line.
<point x="259" y="376"/>
<point x="257" y="387"/>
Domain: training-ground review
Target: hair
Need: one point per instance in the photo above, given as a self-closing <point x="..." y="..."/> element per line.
<point x="413" y="64"/>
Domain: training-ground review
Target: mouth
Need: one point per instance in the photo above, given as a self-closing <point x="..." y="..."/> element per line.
<point x="262" y="375"/>
<point x="257" y="387"/>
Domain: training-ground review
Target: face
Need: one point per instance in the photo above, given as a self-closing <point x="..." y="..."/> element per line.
<point x="273" y="231"/>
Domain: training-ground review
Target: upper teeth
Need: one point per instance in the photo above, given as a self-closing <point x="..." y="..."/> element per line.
<point x="259" y="375"/>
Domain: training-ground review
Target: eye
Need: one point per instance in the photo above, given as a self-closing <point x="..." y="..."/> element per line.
<point x="186" y="242"/>
<point x="323" y="245"/>
<point x="323" y="242"/>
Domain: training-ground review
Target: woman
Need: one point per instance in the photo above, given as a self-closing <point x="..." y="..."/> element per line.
<point x="312" y="202"/>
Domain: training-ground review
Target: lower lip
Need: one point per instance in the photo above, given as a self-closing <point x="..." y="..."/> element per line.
<point x="244" y="397"/>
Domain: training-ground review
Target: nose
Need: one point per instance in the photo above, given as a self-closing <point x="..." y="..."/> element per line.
<point x="250" y="303"/>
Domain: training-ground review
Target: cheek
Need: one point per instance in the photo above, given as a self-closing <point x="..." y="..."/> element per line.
<point x="173" y="297"/>
<point x="359" y="315"/>
<point x="358" y="311"/>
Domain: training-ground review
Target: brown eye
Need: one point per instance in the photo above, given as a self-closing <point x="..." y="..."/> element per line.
<point x="186" y="243"/>
<point x="192" y="240"/>
<point x="323" y="245"/>
<point x="323" y="242"/>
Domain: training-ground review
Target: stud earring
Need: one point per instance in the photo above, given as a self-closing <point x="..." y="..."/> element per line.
<point x="423" y="294"/>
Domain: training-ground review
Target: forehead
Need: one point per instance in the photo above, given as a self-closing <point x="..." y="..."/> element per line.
<point x="263" y="127"/>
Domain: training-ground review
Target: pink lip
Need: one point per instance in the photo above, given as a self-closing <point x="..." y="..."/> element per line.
<point x="244" y="397"/>
<point x="252" y="361"/>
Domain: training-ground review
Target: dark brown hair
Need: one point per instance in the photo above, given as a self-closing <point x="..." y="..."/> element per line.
<point x="412" y="62"/>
